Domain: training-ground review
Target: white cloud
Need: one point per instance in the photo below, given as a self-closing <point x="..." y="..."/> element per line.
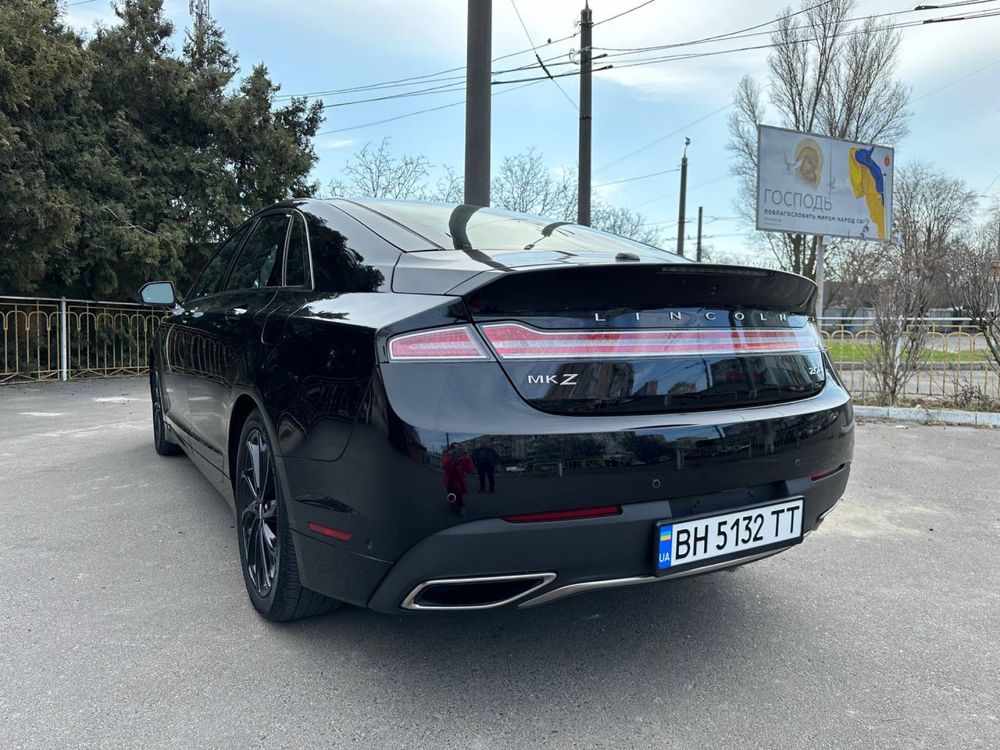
<point x="335" y="143"/>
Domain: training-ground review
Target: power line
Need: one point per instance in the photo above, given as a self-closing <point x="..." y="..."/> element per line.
<point x="957" y="80"/>
<point x="693" y="187"/>
<point x="743" y="33"/>
<point x="550" y="75"/>
<point x="692" y="220"/>
<point x="986" y="190"/>
<point x="941" y="6"/>
<point x="538" y="57"/>
<point x="695" y="55"/>
<point x="662" y="138"/>
<point x="442" y="89"/>
<point x="633" y="179"/>
<point x="421" y="111"/>
<point x="728" y="34"/>
<point x="636" y="62"/>
<point x="626" y="12"/>
<point x="459" y="69"/>
<point x="454" y="84"/>
<point x="445" y="87"/>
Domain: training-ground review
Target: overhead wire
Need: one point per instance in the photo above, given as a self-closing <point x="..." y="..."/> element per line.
<point x="637" y="177"/>
<point x="422" y="111"/>
<point x="539" y="58"/>
<point x="957" y="80"/>
<point x="461" y="68"/>
<point x="662" y="138"/>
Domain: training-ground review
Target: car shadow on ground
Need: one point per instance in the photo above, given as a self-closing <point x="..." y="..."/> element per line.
<point x="647" y="641"/>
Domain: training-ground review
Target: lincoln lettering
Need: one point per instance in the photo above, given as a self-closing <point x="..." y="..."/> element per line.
<point x="712" y="315"/>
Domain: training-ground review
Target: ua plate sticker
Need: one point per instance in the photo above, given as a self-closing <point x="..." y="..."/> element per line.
<point x="666" y="537"/>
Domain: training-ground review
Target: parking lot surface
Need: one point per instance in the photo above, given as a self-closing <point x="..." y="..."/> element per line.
<point x="125" y="622"/>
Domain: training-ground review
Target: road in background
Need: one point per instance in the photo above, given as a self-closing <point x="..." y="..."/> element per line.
<point x="125" y="622"/>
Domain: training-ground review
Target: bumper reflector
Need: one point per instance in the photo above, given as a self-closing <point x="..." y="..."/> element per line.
<point x="565" y="515"/>
<point x="824" y="474"/>
<point x="319" y="528"/>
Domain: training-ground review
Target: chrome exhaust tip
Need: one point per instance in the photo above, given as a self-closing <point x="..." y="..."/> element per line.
<point x="481" y="592"/>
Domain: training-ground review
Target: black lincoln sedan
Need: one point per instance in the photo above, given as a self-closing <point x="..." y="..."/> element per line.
<point x="419" y="406"/>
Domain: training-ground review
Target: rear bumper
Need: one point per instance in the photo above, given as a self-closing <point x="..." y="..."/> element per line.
<point x="583" y="555"/>
<point x="387" y="494"/>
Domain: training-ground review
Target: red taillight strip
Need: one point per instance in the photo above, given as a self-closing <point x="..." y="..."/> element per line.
<point x="516" y="341"/>
<point x="824" y="474"/>
<point x="319" y="528"/>
<point x="565" y="515"/>
<point x="437" y="344"/>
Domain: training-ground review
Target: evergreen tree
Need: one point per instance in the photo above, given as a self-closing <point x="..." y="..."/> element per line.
<point x="121" y="161"/>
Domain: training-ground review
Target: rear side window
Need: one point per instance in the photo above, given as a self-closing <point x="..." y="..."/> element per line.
<point x="211" y="277"/>
<point x="297" y="263"/>
<point x="259" y="264"/>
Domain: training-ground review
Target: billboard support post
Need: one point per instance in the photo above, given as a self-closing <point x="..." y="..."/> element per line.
<point x="820" y="275"/>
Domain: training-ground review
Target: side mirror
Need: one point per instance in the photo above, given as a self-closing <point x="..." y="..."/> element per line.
<point x="158" y="294"/>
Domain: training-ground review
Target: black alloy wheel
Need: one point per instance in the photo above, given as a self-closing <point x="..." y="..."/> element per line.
<point x="270" y="569"/>
<point x="259" y="517"/>
<point x="162" y="445"/>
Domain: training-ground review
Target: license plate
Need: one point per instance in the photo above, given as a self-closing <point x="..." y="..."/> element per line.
<point x="683" y="543"/>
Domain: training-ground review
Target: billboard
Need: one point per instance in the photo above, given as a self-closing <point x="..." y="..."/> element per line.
<point x="815" y="184"/>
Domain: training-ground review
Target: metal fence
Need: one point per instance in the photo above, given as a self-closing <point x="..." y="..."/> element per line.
<point x="49" y="339"/>
<point x="954" y="362"/>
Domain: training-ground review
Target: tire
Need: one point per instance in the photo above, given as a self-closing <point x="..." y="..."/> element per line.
<point x="163" y="446"/>
<point x="267" y="554"/>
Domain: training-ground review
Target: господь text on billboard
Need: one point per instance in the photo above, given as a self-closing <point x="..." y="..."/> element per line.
<point x="823" y="186"/>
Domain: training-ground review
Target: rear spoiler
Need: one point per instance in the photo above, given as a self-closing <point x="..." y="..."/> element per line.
<point x="639" y="285"/>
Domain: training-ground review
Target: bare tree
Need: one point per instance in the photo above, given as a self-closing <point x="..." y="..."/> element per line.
<point x="450" y="188"/>
<point x="828" y="75"/>
<point x="902" y="281"/>
<point x="524" y="184"/>
<point x="900" y="300"/>
<point x="931" y="208"/>
<point x="624" y="222"/>
<point x="974" y="282"/>
<point x="374" y="172"/>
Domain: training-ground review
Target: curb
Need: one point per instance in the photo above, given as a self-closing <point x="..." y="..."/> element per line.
<point x="929" y="416"/>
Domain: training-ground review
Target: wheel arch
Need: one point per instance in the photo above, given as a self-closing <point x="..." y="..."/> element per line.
<point x="242" y="407"/>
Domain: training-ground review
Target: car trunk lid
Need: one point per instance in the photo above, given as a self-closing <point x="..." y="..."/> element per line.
<point x="648" y="338"/>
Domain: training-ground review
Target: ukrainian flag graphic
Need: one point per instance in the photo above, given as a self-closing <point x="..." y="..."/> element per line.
<point x="666" y="535"/>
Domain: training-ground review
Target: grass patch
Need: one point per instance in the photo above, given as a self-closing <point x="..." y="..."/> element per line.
<point x="850" y="351"/>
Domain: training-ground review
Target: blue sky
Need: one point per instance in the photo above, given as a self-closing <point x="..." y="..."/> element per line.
<point x="311" y="45"/>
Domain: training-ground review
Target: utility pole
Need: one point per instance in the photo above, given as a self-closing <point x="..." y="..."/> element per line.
<point x="583" y="166"/>
<point x="684" y="185"/>
<point x="479" y="52"/>
<point x="698" y="251"/>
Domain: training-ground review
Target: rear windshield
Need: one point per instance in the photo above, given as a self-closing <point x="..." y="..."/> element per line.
<point x="460" y="227"/>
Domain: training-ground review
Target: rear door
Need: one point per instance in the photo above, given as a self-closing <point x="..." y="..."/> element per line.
<point x="230" y="326"/>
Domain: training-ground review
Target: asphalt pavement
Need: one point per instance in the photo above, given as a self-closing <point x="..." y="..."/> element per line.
<point x="124" y="621"/>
